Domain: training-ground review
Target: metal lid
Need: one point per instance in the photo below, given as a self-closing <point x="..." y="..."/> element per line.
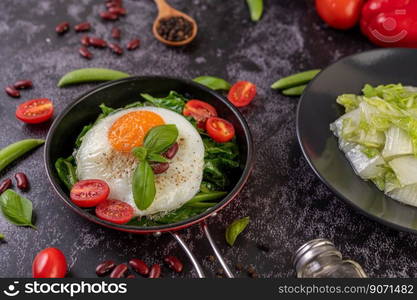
<point x="312" y="249"/>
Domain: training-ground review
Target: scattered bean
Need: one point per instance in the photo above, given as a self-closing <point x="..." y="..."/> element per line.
<point x="5" y="184"/>
<point x="139" y="266"/>
<point x="116" y="33"/>
<point x="105" y="267"/>
<point x="62" y="27"/>
<point x="106" y="15"/>
<point x="82" y="27"/>
<point x="155" y="271"/>
<point x="133" y="44"/>
<point x="85" y="40"/>
<point x="12" y="92"/>
<point x="119" y="271"/>
<point x="116" y="48"/>
<point x="23" y="84"/>
<point x="22" y="181"/>
<point x="174" y="263"/>
<point x="97" y="42"/>
<point x="131" y="276"/>
<point x="84" y="52"/>
<point x="170" y="153"/>
<point x="159" y="168"/>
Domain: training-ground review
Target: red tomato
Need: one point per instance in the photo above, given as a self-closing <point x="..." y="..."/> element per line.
<point x="200" y="111"/>
<point x="242" y="93"/>
<point x="89" y="193"/>
<point x="35" y="111"/>
<point x="340" y="14"/>
<point x="114" y="211"/>
<point x="220" y="130"/>
<point x="49" y="263"/>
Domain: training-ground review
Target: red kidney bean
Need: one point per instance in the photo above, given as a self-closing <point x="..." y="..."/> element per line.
<point x="159" y="168"/>
<point x="133" y="44"/>
<point x="62" y="28"/>
<point x="23" y="84"/>
<point x="119" y="271"/>
<point x="174" y="263"/>
<point x="97" y="42"/>
<point x="105" y="267"/>
<point x="5" y="184"/>
<point x="155" y="271"/>
<point x="84" y="52"/>
<point x="139" y="266"/>
<point x="131" y="276"/>
<point x="116" y="33"/>
<point x="22" y="181"/>
<point x="12" y="92"/>
<point x="85" y="40"/>
<point x="82" y="27"/>
<point x="106" y="15"/>
<point x="170" y="153"/>
<point x="118" y="10"/>
<point x="111" y="4"/>
<point x="116" y="48"/>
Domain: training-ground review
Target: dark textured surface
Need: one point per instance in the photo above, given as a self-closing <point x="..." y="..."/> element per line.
<point x="286" y="202"/>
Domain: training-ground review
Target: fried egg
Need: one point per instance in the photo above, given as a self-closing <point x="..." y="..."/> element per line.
<point x="105" y="153"/>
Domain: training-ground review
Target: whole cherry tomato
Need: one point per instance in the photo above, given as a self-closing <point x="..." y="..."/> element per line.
<point x="339" y="14"/>
<point x="49" y="263"/>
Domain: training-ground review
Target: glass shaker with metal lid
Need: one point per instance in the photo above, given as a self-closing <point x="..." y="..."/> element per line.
<point x="319" y="258"/>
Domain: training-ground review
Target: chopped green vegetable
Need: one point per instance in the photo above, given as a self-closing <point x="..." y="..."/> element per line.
<point x="295" y="80"/>
<point x="236" y="228"/>
<point x="294" y="91"/>
<point x="16" y="209"/>
<point x="213" y="83"/>
<point x="90" y="75"/>
<point x="173" y="101"/>
<point x="203" y="197"/>
<point x="65" y="167"/>
<point x="16" y="150"/>
<point x="256" y="8"/>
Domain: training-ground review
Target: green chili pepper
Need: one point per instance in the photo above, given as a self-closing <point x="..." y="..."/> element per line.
<point x="16" y="150"/>
<point x="214" y="83"/>
<point x="295" y="80"/>
<point x="90" y="75"/>
<point x="256" y="8"/>
<point x="295" y="91"/>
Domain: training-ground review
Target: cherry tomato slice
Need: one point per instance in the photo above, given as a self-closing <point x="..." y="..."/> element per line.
<point x="200" y="111"/>
<point x="89" y="193"/>
<point x="220" y="130"/>
<point x="49" y="263"/>
<point x="35" y="111"/>
<point x="339" y="14"/>
<point x="114" y="211"/>
<point x="242" y="93"/>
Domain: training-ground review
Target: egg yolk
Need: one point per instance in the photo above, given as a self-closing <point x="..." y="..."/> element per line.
<point x="130" y="130"/>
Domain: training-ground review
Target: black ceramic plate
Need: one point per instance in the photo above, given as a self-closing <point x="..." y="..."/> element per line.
<point x="318" y="108"/>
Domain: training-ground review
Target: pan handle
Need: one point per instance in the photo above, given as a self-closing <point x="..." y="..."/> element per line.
<point x="206" y="231"/>
<point x="190" y="255"/>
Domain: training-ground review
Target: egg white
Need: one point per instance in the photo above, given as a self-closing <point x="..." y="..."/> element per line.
<point x="96" y="159"/>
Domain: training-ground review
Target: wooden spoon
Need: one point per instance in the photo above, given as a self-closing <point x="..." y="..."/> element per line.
<point x="167" y="11"/>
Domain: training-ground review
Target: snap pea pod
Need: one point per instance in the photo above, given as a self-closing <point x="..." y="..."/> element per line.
<point x="16" y="150"/>
<point x="90" y="75"/>
<point x="295" y="80"/>
<point x="214" y="83"/>
<point x="256" y="8"/>
<point x="295" y="91"/>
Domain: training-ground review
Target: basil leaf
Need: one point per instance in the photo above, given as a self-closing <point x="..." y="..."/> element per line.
<point x="256" y="8"/>
<point x="236" y="228"/>
<point x="213" y="83"/>
<point x="140" y="153"/>
<point x="1" y="236"/>
<point x="173" y="101"/>
<point x="156" y="158"/>
<point x="65" y="168"/>
<point x="143" y="185"/>
<point x="16" y="209"/>
<point x="160" y="138"/>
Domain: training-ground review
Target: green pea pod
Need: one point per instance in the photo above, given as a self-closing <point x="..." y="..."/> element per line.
<point x="295" y="80"/>
<point x="143" y="185"/>
<point x="16" y="150"/>
<point x="295" y="91"/>
<point x="236" y="228"/>
<point x="256" y="8"/>
<point x="90" y="75"/>
<point x="213" y="83"/>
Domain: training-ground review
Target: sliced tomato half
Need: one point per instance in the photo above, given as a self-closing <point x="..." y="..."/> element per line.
<point x="220" y="130"/>
<point x="114" y="211"/>
<point x="200" y="111"/>
<point x="35" y="111"/>
<point x="89" y="193"/>
<point x="242" y="93"/>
